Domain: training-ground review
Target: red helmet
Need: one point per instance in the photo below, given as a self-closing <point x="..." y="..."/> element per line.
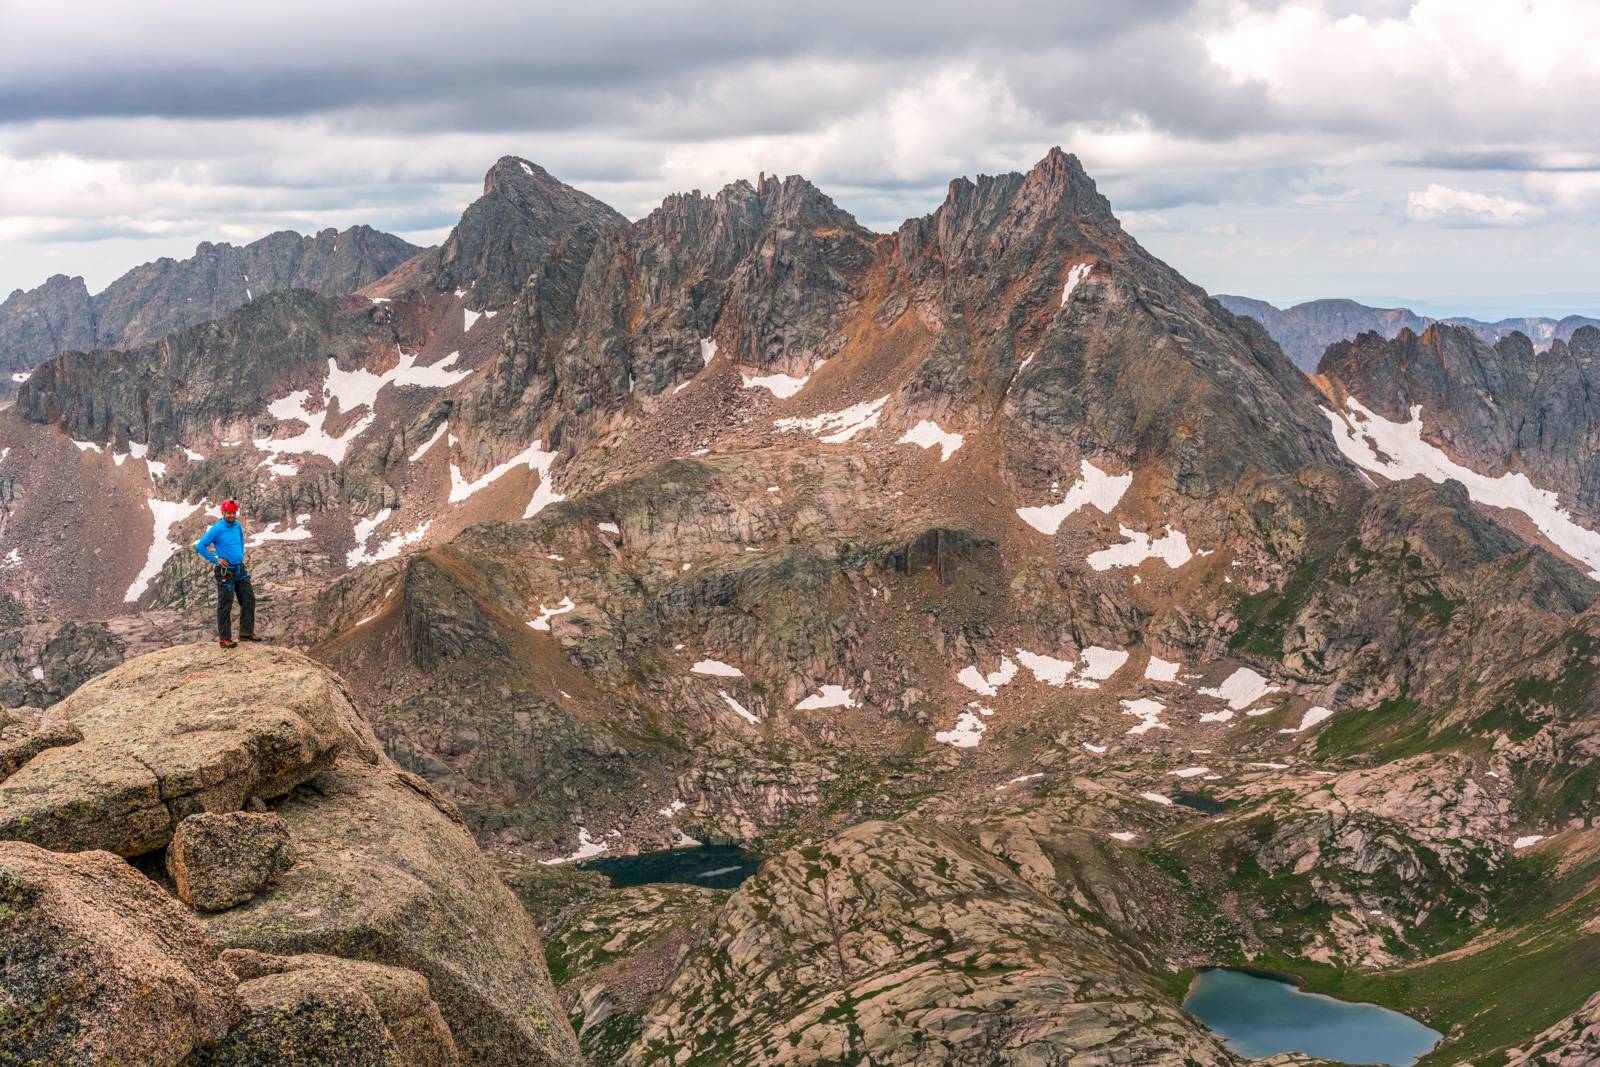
<point x="230" y="506"/>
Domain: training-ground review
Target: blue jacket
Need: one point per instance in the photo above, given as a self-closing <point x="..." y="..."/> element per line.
<point x="226" y="539"/>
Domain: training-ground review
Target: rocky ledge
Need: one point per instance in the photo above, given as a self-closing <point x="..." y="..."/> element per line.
<point x="350" y="918"/>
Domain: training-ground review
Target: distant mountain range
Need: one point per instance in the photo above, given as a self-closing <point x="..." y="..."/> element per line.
<point x="161" y="297"/>
<point x="1305" y="331"/>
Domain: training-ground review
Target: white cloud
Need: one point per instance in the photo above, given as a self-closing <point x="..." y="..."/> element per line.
<point x="1459" y="207"/>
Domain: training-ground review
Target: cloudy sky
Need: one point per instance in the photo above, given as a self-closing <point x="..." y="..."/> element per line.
<point x="1443" y="151"/>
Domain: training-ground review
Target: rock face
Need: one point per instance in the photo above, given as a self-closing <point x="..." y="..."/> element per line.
<point x="36" y="324"/>
<point x="100" y="966"/>
<point x="1305" y="331"/>
<point x="506" y="233"/>
<point x="168" y="295"/>
<point x="328" y="1010"/>
<point x="218" y="861"/>
<point x="162" y="395"/>
<point x="1498" y="409"/>
<point x="154" y="753"/>
<point x="1021" y="295"/>
<point x="899" y="943"/>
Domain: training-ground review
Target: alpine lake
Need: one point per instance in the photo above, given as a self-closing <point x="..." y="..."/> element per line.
<point x="712" y="866"/>
<point x="1258" y="1016"/>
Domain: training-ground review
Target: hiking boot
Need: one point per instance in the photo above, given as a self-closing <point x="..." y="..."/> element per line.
<point x="248" y="637"/>
<point x="227" y="642"/>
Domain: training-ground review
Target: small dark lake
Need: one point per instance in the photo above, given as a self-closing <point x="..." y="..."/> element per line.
<point x="713" y="866"/>
<point x="1201" y="802"/>
<point x="1259" y="1016"/>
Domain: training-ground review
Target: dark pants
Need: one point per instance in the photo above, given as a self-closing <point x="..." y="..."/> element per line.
<point x="247" y="605"/>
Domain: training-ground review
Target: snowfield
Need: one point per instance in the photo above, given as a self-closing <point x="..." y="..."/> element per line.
<point x="1410" y="456"/>
<point x="167" y="514"/>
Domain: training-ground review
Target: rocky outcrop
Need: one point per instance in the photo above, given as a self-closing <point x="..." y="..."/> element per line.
<point x="328" y="1010"/>
<point x="900" y="943"/>
<point x="387" y="872"/>
<point x="1572" y="1042"/>
<point x="155" y="752"/>
<point x="506" y="233"/>
<point x="100" y="966"/>
<point x="217" y="861"/>
<point x="168" y="295"/>
<point x="1500" y="409"/>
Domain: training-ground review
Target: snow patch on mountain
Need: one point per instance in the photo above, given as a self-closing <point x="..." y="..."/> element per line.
<point x="470" y="317"/>
<point x="1047" y="669"/>
<point x="1241" y="689"/>
<point x="1096" y="487"/>
<point x="588" y="848"/>
<point x="989" y="684"/>
<point x="533" y="457"/>
<point x="1101" y="663"/>
<point x="430" y="442"/>
<point x="968" y="731"/>
<point x="546" y="614"/>
<point x="272" y="533"/>
<point x="1312" y="717"/>
<point x="832" y="696"/>
<point x="1171" y="548"/>
<point x="1408" y="456"/>
<point x="716" y="668"/>
<point x="927" y="434"/>
<point x="167" y="514"/>
<point x="1074" y="277"/>
<point x="1148" y="712"/>
<point x="708" y="350"/>
<point x="1159" y="670"/>
<point x="782" y="386"/>
<point x="388" y="549"/>
<point x="743" y="711"/>
<point x="846" y="424"/>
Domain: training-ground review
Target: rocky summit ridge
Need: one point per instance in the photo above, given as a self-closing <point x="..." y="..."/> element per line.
<point x="168" y="295"/>
<point x="1045" y="629"/>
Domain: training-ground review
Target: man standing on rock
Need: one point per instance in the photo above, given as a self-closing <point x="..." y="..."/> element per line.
<point x="225" y="541"/>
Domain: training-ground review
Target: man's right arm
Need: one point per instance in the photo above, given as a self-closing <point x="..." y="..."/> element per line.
<point x="201" y="545"/>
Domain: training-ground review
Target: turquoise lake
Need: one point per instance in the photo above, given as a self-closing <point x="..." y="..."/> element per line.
<point x="713" y="866"/>
<point x="1258" y="1016"/>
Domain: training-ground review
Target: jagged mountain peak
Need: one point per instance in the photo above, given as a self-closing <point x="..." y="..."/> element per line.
<point x="507" y="232"/>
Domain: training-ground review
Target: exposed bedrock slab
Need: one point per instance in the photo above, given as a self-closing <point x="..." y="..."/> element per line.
<point x="99" y="966"/>
<point x="185" y="730"/>
<point x="331" y="1011"/>
<point x="901" y="943"/>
